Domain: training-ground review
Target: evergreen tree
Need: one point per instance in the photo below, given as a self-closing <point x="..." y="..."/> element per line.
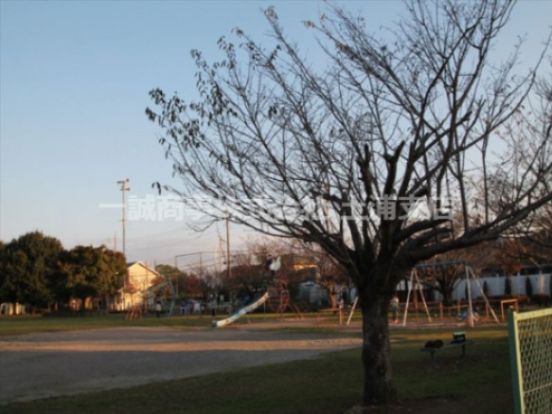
<point x="27" y="265"/>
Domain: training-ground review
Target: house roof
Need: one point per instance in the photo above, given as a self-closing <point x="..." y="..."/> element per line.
<point x="145" y="266"/>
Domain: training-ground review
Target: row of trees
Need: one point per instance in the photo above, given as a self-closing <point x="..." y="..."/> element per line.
<point x="249" y="273"/>
<point x="35" y="269"/>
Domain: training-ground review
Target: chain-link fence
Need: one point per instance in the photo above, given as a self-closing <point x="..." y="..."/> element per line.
<point x="531" y="358"/>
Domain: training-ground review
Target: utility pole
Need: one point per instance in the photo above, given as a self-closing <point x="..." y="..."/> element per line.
<point x="124" y="188"/>
<point x="176" y="278"/>
<point x="228" y="269"/>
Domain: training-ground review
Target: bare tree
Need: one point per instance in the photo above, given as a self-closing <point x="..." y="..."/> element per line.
<point x="330" y="275"/>
<point x="358" y="157"/>
<point x="531" y="240"/>
<point x="443" y="274"/>
<point x="537" y="247"/>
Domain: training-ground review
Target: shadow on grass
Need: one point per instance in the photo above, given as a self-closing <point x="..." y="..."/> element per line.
<point x="480" y="383"/>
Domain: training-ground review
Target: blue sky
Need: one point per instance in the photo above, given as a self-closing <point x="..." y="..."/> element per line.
<point x="74" y="78"/>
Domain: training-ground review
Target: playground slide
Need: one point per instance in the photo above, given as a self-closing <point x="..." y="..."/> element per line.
<point x="224" y="322"/>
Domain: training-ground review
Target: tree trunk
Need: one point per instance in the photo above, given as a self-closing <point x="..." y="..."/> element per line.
<point x="378" y="389"/>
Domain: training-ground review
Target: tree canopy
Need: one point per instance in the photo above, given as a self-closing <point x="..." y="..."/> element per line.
<point x="368" y="155"/>
<point x="340" y="157"/>
<point x="93" y="271"/>
<point x="28" y="267"/>
<point x="37" y="270"/>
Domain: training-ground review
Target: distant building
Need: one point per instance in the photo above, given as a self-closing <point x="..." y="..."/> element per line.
<point x="140" y="286"/>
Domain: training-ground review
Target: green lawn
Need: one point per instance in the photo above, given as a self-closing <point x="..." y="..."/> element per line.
<point x="328" y="384"/>
<point x="34" y="324"/>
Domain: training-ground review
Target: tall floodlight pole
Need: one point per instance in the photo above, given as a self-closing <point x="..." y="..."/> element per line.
<point x="124" y="188"/>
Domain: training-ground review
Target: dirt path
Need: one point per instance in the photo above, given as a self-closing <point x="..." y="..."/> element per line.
<point x="48" y="364"/>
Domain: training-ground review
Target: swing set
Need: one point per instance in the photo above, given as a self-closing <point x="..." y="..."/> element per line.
<point x="415" y="289"/>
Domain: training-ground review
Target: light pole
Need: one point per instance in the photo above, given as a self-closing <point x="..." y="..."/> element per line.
<point x="124" y="188"/>
<point x="228" y="268"/>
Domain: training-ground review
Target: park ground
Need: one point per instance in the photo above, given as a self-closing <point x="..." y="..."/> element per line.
<point x="261" y="365"/>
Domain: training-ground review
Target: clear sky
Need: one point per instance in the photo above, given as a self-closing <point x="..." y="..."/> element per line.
<point x="74" y="78"/>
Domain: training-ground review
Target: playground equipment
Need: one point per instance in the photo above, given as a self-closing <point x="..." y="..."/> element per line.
<point x="352" y="311"/>
<point x="417" y="286"/>
<point x="234" y="317"/>
<point x="277" y="298"/>
<point x="470" y="277"/>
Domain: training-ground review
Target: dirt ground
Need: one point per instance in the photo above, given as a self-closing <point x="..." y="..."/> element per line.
<point x="61" y="363"/>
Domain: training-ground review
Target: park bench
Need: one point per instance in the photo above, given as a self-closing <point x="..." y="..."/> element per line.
<point x="459" y="341"/>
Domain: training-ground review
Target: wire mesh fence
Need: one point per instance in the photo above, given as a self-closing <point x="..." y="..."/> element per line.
<point x="530" y="335"/>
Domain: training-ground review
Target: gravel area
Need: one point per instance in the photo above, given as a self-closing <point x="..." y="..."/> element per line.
<point x="62" y="363"/>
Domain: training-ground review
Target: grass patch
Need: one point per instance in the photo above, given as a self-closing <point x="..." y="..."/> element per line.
<point x="329" y="384"/>
<point x="34" y="324"/>
<point x="18" y="325"/>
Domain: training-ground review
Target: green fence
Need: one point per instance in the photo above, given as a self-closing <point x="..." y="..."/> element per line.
<point x="530" y="335"/>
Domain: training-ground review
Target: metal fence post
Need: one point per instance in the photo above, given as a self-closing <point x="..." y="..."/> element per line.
<point x="515" y="362"/>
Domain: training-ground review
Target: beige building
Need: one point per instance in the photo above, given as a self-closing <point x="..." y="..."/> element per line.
<point x="138" y="290"/>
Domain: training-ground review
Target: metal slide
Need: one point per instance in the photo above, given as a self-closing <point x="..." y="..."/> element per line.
<point x="234" y="317"/>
